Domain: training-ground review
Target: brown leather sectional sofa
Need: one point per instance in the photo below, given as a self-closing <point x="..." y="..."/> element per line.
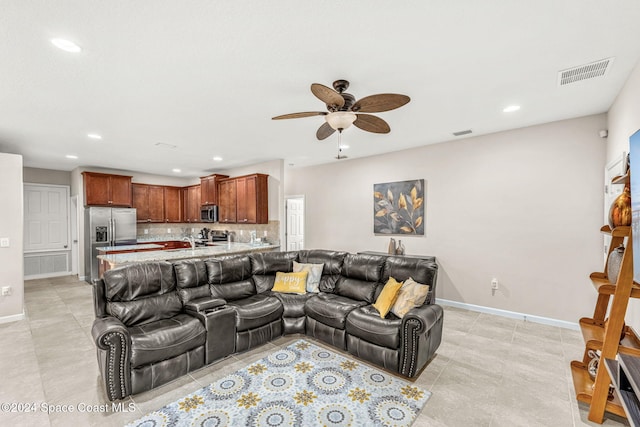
<point x="158" y="321"/>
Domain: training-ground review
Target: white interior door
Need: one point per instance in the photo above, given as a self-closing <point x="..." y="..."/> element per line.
<point x="46" y="230"/>
<point x="295" y="223"/>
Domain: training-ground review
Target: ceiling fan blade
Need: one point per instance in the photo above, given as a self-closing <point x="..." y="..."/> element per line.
<point x="379" y="103"/>
<point x="324" y="131"/>
<point x="371" y="123"/>
<point x="299" y="115"/>
<point x="327" y="95"/>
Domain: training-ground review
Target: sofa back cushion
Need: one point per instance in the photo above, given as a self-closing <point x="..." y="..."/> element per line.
<point x="142" y="293"/>
<point x="422" y="270"/>
<point x="333" y="262"/>
<point x="230" y="277"/>
<point x="265" y="265"/>
<point x="192" y="279"/>
<point x="361" y="275"/>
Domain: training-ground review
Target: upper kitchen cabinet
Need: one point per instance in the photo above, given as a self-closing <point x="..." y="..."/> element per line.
<point x="191" y="203"/>
<point x="209" y="189"/>
<point x="227" y="201"/>
<point x="149" y="202"/>
<point x="244" y="200"/>
<point x="173" y="204"/>
<point x="107" y="190"/>
<point x="252" y="201"/>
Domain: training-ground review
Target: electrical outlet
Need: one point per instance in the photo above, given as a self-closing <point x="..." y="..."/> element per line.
<point x="4" y="242"/>
<point x="494" y="283"/>
<point x="6" y="290"/>
<point x="146" y="231"/>
<point x="168" y="230"/>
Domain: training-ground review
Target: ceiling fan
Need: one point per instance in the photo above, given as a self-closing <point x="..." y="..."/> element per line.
<point x="344" y="110"/>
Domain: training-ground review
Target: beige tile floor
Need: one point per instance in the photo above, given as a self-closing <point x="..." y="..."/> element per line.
<point x="489" y="371"/>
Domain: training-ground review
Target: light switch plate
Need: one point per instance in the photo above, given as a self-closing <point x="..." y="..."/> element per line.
<point x="4" y="242"/>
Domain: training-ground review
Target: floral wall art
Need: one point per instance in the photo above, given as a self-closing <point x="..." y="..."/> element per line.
<point x="398" y="208"/>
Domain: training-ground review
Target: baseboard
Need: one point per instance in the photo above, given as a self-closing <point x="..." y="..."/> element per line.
<point x="511" y="314"/>
<point x="13" y="318"/>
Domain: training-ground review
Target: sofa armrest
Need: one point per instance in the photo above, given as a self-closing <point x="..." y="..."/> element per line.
<point x="420" y="335"/>
<point x="204" y="304"/>
<point x="113" y="345"/>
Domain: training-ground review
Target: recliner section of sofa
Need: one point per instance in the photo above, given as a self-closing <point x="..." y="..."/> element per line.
<point x="144" y="339"/>
<point x="158" y="321"/>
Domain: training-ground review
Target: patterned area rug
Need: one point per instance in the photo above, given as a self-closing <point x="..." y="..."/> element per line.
<point x="301" y="385"/>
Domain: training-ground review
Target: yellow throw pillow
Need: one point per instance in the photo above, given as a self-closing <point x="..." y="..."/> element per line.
<point x="387" y="297"/>
<point x="411" y="295"/>
<point x="291" y="283"/>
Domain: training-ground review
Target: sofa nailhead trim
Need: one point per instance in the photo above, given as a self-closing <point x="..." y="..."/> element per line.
<point x="414" y="325"/>
<point x="112" y="349"/>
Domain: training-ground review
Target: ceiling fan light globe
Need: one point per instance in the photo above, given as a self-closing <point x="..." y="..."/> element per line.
<point x="340" y="120"/>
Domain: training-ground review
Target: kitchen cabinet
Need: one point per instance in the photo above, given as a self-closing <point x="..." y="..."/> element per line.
<point x="209" y="189"/>
<point x="172" y="204"/>
<point x="102" y="189"/>
<point x="244" y="200"/>
<point x="191" y="203"/>
<point x="252" y="203"/>
<point x="149" y="202"/>
<point x="227" y="201"/>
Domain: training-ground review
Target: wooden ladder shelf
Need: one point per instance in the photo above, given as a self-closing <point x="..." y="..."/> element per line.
<point x="609" y="335"/>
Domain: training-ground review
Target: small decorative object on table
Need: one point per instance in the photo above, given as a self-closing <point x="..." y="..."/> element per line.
<point x="392" y="246"/>
<point x="620" y="212"/>
<point x="614" y="262"/>
<point x="400" y="249"/>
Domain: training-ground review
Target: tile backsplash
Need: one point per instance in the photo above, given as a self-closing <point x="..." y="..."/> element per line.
<point x="177" y="231"/>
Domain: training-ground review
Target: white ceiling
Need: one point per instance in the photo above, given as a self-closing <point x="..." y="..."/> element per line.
<point x="207" y="76"/>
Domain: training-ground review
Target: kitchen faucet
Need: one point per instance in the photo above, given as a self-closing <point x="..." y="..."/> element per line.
<point x="191" y="240"/>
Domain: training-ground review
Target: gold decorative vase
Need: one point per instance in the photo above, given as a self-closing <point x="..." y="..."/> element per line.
<point x="620" y="212"/>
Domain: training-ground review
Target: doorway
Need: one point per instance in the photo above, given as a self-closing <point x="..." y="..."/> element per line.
<point x="46" y="231"/>
<point x="294" y="207"/>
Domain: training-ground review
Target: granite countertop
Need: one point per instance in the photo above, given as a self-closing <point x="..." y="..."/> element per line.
<point x="176" y="254"/>
<point x="129" y="247"/>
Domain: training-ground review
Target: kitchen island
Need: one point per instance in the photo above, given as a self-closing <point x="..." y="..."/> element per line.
<point x="110" y="261"/>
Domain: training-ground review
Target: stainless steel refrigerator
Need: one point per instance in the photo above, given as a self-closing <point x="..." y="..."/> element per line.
<point x="106" y="227"/>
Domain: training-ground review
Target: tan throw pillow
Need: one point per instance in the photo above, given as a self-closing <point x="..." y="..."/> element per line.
<point x="313" y="278"/>
<point x="411" y="295"/>
<point x="290" y="283"/>
<point x="387" y="297"/>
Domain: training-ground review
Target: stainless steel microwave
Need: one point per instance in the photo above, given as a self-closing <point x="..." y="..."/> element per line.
<point x="209" y="213"/>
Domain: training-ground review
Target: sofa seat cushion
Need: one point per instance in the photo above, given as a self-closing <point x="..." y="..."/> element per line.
<point x="365" y="323"/>
<point x="164" y="339"/>
<point x="331" y="309"/>
<point x="293" y="303"/>
<point x="256" y="311"/>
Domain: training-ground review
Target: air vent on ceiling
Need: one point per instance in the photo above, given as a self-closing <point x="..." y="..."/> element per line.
<point x="584" y="72"/>
<point x="462" y="132"/>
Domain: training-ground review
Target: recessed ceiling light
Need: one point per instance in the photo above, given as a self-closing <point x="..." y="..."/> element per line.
<point x="217" y="158"/>
<point x="511" y="108"/>
<point x="66" y="45"/>
<point x="177" y="170"/>
<point x="71" y="156"/>
<point x="94" y="136"/>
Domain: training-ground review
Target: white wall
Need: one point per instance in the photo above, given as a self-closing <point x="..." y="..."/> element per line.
<point x="11" y="223"/>
<point x="524" y="206"/>
<point x="623" y="121"/>
<point x="46" y="176"/>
